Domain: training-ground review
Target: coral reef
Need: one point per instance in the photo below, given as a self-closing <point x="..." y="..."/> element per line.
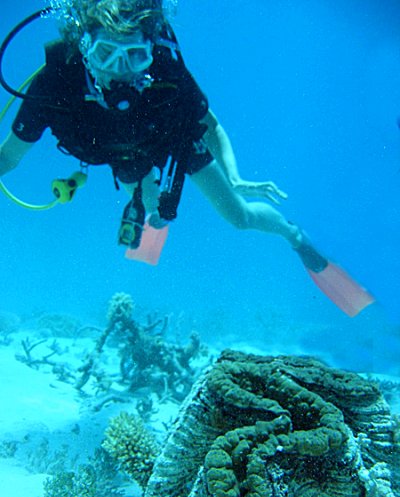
<point x="120" y="307"/>
<point x="134" y="448"/>
<point x="9" y="323"/>
<point x="142" y="357"/>
<point x="58" y="325"/>
<point x="34" y="361"/>
<point x="147" y="359"/>
<point x="389" y="388"/>
<point x="279" y="426"/>
<point x="96" y="479"/>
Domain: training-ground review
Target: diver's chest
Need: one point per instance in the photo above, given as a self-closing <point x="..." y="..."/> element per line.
<point x="138" y="116"/>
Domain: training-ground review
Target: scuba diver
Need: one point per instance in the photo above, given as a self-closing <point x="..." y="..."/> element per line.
<point x="115" y="90"/>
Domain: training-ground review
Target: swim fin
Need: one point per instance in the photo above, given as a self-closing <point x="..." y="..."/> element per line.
<point x="332" y="280"/>
<point x="151" y="245"/>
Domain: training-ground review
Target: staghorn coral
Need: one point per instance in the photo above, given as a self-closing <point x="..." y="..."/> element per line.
<point x="131" y="446"/>
<point x="279" y="426"/>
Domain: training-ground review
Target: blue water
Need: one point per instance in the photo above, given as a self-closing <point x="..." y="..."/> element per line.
<point x="309" y="92"/>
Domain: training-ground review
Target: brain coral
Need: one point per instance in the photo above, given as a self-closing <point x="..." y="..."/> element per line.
<point x="279" y="427"/>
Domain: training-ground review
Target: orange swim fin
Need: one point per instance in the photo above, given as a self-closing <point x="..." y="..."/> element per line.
<point x="333" y="281"/>
<point x="151" y="245"/>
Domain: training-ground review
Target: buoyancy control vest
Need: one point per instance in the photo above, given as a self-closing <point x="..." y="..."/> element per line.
<point x="153" y="130"/>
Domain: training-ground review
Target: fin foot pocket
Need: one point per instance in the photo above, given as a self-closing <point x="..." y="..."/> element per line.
<point x="310" y="257"/>
<point x="333" y="281"/>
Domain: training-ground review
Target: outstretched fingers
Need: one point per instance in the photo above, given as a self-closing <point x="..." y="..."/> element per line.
<point x="264" y="189"/>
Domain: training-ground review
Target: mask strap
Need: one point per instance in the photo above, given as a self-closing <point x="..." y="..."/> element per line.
<point x="171" y="45"/>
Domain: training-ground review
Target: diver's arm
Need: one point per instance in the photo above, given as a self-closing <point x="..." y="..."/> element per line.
<point x="221" y="148"/>
<point x="12" y="150"/>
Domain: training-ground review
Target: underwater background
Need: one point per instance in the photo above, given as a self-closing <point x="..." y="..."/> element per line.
<point x="111" y="370"/>
<point x="309" y="93"/>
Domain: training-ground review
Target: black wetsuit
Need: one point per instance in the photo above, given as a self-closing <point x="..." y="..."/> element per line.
<point x="134" y="131"/>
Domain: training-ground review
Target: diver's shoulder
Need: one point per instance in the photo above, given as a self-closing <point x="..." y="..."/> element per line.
<point x="59" y="53"/>
<point x="167" y="66"/>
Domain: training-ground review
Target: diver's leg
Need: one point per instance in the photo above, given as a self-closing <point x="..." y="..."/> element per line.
<point x="129" y="187"/>
<point x="337" y="285"/>
<point x="244" y="215"/>
<point x="150" y="191"/>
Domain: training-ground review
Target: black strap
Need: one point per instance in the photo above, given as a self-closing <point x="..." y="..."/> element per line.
<point x="131" y="229"/>
<point x="116" y="184"/>
<point x="169" y="200"/>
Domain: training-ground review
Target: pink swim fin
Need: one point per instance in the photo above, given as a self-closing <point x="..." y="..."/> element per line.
<point x="345" y="292"/>
<point x="151" y="245"/>
<point x="336" y="284"/>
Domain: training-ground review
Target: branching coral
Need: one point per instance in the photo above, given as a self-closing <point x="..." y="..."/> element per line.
<point x="151" y="361"/>
<point x="95" y="479"/>
<point x="133" y="447"/>
<point x="262" y="426"/>
<point x="146" y="358"/>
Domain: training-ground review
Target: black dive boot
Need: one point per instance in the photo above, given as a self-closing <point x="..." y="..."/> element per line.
<point x="310" y="257"/>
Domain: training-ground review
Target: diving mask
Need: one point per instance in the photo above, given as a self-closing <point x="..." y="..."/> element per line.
<point x="112" y="60"/>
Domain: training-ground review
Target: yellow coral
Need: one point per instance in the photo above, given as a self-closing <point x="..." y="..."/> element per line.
<point x="132" y="446"/>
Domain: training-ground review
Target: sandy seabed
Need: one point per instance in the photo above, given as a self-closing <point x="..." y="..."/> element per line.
<point x="43" y="420"/>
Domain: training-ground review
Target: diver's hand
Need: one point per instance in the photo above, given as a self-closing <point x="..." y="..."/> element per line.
<point x="262" y="189"/>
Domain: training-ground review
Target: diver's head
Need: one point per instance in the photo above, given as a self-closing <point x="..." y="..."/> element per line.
<point x="119" y="58"/>
<point x="123" y="17"/>
<point x="118" y="17"/>
<point x="115" y="37"/>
